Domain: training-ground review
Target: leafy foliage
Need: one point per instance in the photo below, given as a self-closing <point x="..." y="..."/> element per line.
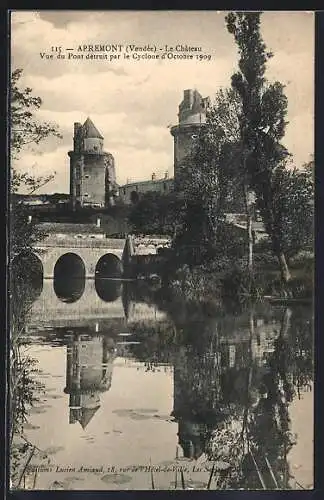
<point x="289" y="218"/>
<point x="157" y="214"/>
<point x="25" y="390"/>
<point x="211" y="181"/>
<point x="23" y="234"/>
<point x="25" y="129"/>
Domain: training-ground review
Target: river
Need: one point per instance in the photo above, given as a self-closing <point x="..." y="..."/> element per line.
<point x="137" y="393"/>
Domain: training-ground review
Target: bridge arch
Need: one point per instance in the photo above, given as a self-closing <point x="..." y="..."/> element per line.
<point x="69" y="277"/>
<point x="109" y="266"/>
<point x="108" y="290"/>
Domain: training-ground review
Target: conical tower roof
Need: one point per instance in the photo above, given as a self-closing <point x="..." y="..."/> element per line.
<point x="90" y="130"/>
<point x="87" y="415"/>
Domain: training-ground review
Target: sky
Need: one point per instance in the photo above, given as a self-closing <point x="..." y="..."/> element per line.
<point x="133" y="102"/>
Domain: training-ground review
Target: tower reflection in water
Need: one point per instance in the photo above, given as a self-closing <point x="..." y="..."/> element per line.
<point x="90" y="358"/>
<point x="89" y="370"/>
<point x="235" y="375"/>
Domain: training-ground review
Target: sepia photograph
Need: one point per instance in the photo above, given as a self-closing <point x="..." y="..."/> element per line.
<point x="161" y="250"/>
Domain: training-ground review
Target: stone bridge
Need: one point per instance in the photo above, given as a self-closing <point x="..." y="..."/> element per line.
<point x="84" y="251"/>
<point x="89" y="256"/>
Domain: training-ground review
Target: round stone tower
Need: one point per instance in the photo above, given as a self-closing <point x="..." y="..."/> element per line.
<point x="192" y="116"/>
<point x="92" y="170"/>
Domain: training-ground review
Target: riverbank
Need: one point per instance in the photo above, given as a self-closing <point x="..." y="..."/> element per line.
<point x="209" y="283"/>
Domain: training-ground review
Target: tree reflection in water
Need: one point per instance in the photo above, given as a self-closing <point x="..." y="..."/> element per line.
<point x="25" y="390"/>
<point x="235" y="375"/>
<point x="234" y="379"/>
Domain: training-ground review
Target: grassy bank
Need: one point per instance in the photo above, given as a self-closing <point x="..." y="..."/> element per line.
<point x="213" y="283"/>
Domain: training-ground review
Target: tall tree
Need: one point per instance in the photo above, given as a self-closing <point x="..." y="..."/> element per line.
<point x="262" y="121"/>
<point x="25" y="130"/>
<point x="204" y="192"/>
<point x="292" y="208"/>
<point x="209" y="177"/>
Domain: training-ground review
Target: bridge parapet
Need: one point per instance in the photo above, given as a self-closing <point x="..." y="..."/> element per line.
<point x="107" y="243"/>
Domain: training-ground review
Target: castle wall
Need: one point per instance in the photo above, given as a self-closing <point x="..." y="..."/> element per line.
<point x="131" y="193"/>
<point x="110" y="166"/>
<point x="184" y="140"/>
<point x="93" y="181"/>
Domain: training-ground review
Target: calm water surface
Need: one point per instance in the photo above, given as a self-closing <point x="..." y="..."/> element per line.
<point x="135" y="389"/>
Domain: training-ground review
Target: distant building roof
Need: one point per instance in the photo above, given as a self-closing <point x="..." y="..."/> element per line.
<point x="90" y="130"/>
<point x="149" y="181"/>
<point x="70" y="228"/>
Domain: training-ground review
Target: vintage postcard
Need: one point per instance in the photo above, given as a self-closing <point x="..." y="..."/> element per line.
<point x="161" y="250"/>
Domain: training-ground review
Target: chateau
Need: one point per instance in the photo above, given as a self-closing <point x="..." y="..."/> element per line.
<point x="93" y="173"/>
<point x="92" y="170"/>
